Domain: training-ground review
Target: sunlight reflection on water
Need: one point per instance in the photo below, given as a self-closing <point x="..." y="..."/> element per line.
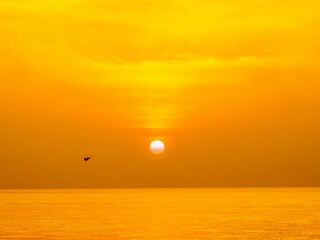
<point x="278" y="213"/>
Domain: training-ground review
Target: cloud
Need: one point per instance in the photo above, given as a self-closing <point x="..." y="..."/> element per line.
<point x="159" y="31"/>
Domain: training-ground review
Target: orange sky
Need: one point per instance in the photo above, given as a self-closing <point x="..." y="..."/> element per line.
<point x="231" y="87"/>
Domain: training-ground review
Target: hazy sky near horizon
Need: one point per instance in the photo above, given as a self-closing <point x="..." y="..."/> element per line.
<point x="231" y="87"/>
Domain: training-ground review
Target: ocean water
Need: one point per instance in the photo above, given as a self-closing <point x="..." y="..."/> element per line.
<point x="174" y="214"/>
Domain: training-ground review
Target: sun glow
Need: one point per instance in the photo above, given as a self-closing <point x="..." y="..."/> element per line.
<point x="157" y="147"/>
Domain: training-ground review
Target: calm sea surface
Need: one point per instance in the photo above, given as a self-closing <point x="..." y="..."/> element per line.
<point x="258" y="213"/>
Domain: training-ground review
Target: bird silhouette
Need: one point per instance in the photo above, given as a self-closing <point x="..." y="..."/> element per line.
<point x="86" y="158"/>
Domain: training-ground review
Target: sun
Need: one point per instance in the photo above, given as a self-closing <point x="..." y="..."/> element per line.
<point x="157" y="147"/>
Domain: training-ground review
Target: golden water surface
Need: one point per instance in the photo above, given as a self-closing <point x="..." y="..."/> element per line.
<point x="256" y="213"/>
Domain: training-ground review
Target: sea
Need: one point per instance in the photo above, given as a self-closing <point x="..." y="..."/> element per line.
<point x="161" y="214"/>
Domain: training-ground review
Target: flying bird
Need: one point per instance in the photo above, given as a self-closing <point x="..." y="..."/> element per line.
<point x="86" y="158"/>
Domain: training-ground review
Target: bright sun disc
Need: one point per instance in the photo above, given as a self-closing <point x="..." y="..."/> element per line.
<point x="157" y="147"/>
